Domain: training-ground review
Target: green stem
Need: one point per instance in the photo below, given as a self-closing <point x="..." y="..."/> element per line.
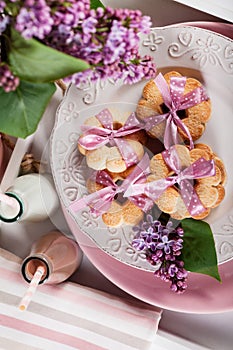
<point x="102" y="29"/>
<point x="3" y="45"/>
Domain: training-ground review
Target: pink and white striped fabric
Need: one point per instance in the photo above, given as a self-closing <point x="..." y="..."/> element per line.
<point x="69" y="316"/>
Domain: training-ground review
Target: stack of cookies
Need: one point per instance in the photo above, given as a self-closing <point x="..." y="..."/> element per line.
<point x="175" y="113"/>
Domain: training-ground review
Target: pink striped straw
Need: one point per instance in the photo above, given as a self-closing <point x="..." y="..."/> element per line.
<point x="32" y="288"/>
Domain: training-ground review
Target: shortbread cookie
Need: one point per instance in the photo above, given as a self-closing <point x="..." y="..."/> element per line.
<point x="194" y="118"/>
<point x="109" y="156"/>
<point x="122" y="211"/>
<point x="210" y="190"/>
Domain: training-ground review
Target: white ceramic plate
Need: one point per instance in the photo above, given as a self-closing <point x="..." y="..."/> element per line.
<point x="194" y="52"/>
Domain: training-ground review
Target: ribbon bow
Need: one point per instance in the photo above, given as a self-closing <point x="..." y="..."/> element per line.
<point x="175" y="100"/>
<point x="100" y="201"/>
<point x="199" y="169"/>
<point x="95" y="137"/>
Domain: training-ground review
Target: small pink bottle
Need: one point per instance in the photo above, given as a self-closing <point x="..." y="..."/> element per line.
<point x="59" y="255"/>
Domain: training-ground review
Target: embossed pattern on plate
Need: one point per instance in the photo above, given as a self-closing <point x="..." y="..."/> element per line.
<point x="192" y="51"/>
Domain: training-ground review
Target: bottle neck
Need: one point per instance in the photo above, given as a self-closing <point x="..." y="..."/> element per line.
<point x="30" y="265"/>
<point x="11" y="213"/>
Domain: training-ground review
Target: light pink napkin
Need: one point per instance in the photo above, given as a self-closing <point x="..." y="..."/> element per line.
<point x="70" y="316"/>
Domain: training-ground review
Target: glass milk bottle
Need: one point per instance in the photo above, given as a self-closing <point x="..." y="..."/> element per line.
<point x="59" y="256"/>
<point x="32" y="197"/>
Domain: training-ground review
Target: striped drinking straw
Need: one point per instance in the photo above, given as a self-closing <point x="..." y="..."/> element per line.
<point x="32" y="288"/>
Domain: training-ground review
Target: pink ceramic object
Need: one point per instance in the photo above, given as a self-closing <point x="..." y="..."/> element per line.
<point x="204" y="294"/>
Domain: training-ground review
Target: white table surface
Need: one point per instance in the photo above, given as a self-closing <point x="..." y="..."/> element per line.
<point x="176" y="330"/>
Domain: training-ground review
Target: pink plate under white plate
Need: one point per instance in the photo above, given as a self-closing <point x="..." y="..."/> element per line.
<point x="204" y="294"/>
<point x="192" y="51"/>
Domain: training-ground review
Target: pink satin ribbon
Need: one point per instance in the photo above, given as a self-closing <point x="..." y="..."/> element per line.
<point x="175" y="100"/>
<point x="100" y="201"/>
<point x="95" y="137"/>
<point x="199" y="169"/>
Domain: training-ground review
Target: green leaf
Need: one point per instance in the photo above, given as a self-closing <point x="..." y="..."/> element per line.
<point x="96" y="3"/>
<point x="22" y="109"/>
<point x="32" y="61"/>
<point x="198" y="253"/>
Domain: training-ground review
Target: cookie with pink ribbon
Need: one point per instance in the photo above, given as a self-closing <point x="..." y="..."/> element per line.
<point x="184" y="183"/>
<point x="174" y="108"/>
<point x="112" y="141"/>
<point x="107" y="198"/>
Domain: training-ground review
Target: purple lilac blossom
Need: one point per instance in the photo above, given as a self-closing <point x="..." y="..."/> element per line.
<point x="162" y="245"/>
<point x="34" y="19"/>
<point x="115" y="45"/>
<point x="69" y="12"/>
<point x="8" y="81"/>
<point x="67" y="17"/>
<point x="4" y="21"/>
<point x="108" y="39"/>
<point x="2" y="6"/>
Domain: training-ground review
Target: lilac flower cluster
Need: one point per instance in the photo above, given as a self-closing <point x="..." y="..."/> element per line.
<point x="69" y="13"/>
<point x="4" y="19"/>
<point x="8" y="81"/>
<point x="34" y="19"/>
<point x="162" y="245"/>
<point x="108" y="39"/>
<point x="2" y="6"/>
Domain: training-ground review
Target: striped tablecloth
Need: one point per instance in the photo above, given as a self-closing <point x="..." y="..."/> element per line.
<point x="70" y="316"/>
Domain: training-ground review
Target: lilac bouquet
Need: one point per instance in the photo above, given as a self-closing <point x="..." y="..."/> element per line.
<point x="43" y="41"/>
<point x="175" y="248"/>
<point x="163" y="246"/>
